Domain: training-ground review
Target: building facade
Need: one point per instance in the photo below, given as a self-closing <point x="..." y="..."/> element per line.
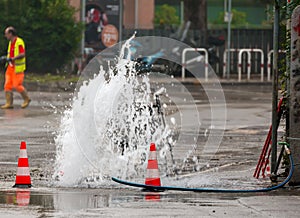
<point x="137" y="14"/>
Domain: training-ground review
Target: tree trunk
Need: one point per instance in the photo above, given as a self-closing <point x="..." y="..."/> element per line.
<point x="196" y="12"/>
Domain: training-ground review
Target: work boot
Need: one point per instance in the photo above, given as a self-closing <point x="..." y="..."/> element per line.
<point x="26" y="98"/>
<point x="9" y="101"/>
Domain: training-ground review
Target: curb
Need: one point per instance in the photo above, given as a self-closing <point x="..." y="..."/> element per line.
<point x="62" y="86"/>
<point x="51" y="86"/>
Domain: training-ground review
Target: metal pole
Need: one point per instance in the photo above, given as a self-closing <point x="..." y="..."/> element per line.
<point x="83" y="4"/>
<point x="136" y="14"/>
<point x="181" y="12"/>
<point x="228" y="39"/>
<point x="275" y="90"/>
<point x="121" y="21"/>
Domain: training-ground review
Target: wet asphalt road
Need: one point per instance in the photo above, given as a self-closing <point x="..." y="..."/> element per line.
<point x="248" y="119"/>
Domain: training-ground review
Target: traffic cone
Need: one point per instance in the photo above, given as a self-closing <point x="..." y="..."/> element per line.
<point x="23" y="176"/>
<point x="266" y="170"/>
<point x="152" y="175"/>
<point x="23" y="197"/>
<point x="152" y="197"/>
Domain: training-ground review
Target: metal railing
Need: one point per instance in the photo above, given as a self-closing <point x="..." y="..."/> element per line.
<point x="249" y="63"/>
<point x="225" y="59"/>
<point x="185" y="62"/>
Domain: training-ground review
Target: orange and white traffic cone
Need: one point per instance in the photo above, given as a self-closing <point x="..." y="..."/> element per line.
<point x="152" y="175"/>
<point x="23" y="176"/>
<point x="23" y="197"/>
<point x="266" y="170"/>
<point x="152" y="197"/>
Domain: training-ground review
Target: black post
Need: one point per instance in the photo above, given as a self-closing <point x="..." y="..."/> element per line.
<point x="275" y="90"/>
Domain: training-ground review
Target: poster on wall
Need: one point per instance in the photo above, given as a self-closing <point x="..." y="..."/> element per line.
<point x="102" y="21"/>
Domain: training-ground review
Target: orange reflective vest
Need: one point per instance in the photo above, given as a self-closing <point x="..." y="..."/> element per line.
<point x="20" y="64"/>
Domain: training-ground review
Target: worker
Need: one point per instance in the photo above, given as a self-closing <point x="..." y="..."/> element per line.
<point x="16" y="65"/>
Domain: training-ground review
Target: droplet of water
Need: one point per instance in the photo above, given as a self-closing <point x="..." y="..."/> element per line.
<point x="173" y="120"/>
<point x="205" y="132"/>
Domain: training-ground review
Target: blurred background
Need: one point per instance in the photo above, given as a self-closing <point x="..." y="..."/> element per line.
<point x="61" y="36"/>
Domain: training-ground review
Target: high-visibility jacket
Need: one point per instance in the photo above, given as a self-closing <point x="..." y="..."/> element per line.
<point x="20" y="64"/>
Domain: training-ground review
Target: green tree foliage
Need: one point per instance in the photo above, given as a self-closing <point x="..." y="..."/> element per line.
<point x="239" y="19"/>
<point x="286" y="11"/>
<point x="48" y="28"/>
<point x="165" y="16"/>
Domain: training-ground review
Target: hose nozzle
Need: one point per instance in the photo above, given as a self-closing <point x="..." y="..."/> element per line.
<point x="287" y="150"/>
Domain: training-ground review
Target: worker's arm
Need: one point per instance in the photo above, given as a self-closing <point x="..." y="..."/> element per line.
<point x="22" y="55"/>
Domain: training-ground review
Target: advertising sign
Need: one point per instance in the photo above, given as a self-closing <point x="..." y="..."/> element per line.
<point x="102" y="19"/>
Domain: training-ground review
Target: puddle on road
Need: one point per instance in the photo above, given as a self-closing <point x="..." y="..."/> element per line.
<point x="70" y="201"/>
<point x="73" y="200"/>
<point x="18" y="113"/>
<point x="76" y="200"/>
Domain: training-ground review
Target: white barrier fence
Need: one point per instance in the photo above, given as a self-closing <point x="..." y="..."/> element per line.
<point x="225" y="60"/>
<point x="240" y="52"/>
<point x="193" y="60"/>
<point x="249" y="63"/>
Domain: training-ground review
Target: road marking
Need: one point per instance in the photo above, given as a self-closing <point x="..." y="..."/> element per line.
<point x="9" y="163"/>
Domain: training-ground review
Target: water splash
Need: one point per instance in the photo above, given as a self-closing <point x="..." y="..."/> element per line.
<point x="114" y="117"/>
<point x="109" y="128"/>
